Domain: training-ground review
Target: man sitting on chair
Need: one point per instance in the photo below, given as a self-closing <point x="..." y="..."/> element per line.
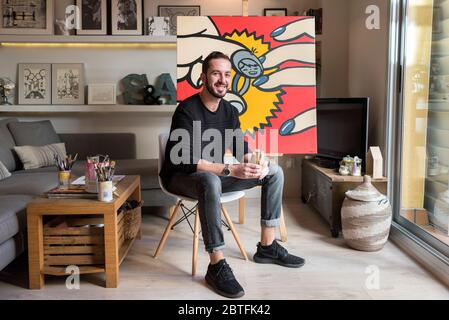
<point x="205" y="179"/>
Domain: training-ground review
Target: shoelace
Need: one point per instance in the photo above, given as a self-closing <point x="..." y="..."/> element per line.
<point x="225" y="272"/>
<point x="280" y="250"/>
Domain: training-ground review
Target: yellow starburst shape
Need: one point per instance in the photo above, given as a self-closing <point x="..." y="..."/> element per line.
<point x="261" y="104"/>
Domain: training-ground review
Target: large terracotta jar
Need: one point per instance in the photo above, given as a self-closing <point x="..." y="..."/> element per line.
<point x="366" y="217"/>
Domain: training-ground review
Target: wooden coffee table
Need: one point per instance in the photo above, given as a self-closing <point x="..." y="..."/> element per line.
<point x="127" y="189"/>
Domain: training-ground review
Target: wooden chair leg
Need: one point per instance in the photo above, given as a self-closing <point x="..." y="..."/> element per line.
<point x="282" y="228"/>
<point x="234" y="232"/>
<point x="167" y="229"/>
<point x="171" y="210"/>
<point x="195" y="242"/>
<point x="241" y="210"/>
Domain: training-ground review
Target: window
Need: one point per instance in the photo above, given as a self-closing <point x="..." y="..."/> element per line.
<point x="422" y="123"/>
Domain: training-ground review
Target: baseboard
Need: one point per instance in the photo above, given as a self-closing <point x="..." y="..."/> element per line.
<point x="435" y="262"/>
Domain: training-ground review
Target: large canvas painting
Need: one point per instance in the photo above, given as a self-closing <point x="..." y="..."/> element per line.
<point x="273" y="82"/>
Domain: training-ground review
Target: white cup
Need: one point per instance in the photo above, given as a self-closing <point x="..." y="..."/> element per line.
<point x="105" y="191"/>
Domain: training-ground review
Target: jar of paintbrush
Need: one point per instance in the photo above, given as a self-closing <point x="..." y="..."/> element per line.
<point x="105" y="171"/>
<point x="64" y="165"/>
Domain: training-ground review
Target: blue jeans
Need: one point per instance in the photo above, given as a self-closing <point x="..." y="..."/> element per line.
<point x="207" y="188"/>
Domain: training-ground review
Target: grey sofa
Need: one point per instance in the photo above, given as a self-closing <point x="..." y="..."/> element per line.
<point x="17" y="190"/>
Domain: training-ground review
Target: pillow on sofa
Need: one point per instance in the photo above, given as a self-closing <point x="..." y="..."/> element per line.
<point x="4" y="172"/>
<point x="36" y="157"/>
<point x="35" y="133"/>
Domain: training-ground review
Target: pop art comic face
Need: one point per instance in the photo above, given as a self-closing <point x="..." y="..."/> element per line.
<point x="273" y="82"/>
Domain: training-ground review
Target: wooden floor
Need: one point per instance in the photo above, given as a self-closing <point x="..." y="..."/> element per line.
<point x="332" y="270"/>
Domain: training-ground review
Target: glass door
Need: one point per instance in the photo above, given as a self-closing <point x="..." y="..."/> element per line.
<point x="423" y="122"/>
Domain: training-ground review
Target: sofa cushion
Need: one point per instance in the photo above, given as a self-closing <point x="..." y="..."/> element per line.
<point x="116" y="145"/>
<point x="4" y="172"/>
<point x="33" y="157"/>
<point x="11" y="249"/>
<point x="7" y="144"/>
<point x="35" y="133"/>
<point x="146" y="168"/>
<point x="43" y="169"/>
<point x="23" y="182"/>
<point x="12" y="215"/>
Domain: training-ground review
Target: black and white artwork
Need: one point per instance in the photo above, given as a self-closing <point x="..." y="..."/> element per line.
<point x="68" y="83"/>
<point x="26" y="16"/>
<point x="126" y="16"/>
<point x="174" y="11"/>
<point x="158" y="26"/>
<point x="34" y="83"/>
<point x="93" y="15"/>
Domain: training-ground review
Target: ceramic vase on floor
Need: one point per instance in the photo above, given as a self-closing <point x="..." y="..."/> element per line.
<point x="366" y="217"/>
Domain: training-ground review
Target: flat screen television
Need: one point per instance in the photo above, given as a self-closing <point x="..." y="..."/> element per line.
<point x="342" y="128"/>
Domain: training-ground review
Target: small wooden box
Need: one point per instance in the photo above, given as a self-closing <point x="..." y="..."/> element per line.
<point x="374" y="163"/>
<point x="79" y="241"/>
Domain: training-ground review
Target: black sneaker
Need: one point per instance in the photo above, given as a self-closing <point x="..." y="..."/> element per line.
<point x="220" y="277"/>
<point x="277" y="254"/>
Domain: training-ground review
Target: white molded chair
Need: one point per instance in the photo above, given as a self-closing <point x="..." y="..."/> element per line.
<point x="225" y="198"/>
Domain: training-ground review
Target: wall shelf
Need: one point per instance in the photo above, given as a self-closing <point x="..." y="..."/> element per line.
<point x="51" y="109"/>
<point x="41" y="39"/>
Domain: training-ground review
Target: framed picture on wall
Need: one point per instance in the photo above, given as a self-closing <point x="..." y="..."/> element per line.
<point x="101" y="93"/>
<point x="272" y="12"/>
<point x="158" y="26"/>
<point x="173" y="11"/>
<point x="26" y="16"/>
<point x="34" y="83"/>
<point x="126" y="17"/>
<point x="93" y="17"/>
<point x="67" y="83"/>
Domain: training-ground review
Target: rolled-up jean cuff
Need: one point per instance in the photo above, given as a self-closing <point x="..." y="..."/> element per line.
<point x="214" y="248"/>
<point x="270" y="223"/>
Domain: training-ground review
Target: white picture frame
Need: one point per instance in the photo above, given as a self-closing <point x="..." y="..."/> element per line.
<point x="37" y="19"/>
<point x="157" y="26"/>
<point x="67" y="83"/>
<point x="93" y="15"/>
<point x="174" y="11"/>
<point x="34" y="83"/>
<point x="129" y="23"/>
<point x="101" y="93"/>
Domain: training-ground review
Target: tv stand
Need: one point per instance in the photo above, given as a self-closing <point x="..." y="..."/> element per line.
<point x="324" y="189"/>
<point x="327" y="163"/>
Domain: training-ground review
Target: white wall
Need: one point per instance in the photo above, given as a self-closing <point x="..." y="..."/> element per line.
<point x="344" y="39"/>
<point x="335" y="39"/>
<point x="368" y="59"/>
<point x="256" y="6"/>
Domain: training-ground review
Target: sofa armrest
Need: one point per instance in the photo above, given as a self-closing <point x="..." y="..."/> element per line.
<point x="116" y="145"/>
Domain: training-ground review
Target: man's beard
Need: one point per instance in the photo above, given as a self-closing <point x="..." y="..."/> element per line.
<point x="211" y="90"/>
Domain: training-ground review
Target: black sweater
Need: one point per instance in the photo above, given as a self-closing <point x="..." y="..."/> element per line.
<point x="190" y="110"/>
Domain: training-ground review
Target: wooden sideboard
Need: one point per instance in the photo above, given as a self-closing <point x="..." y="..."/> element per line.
<point x="324" y="189"/>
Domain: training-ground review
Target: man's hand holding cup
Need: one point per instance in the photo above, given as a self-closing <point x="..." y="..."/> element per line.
<point x="258" y="157"/>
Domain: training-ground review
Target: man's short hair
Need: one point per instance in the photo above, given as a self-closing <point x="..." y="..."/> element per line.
<point x="213" y="55"/>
